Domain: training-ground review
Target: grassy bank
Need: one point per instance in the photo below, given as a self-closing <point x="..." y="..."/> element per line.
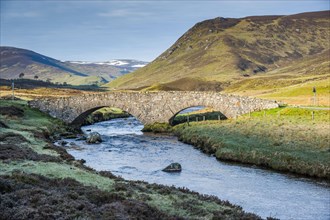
<point x="41" y="181"/>
<point x="283" y="139"/>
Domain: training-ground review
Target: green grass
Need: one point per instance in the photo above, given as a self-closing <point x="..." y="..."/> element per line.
<point x="157" y="128"/>
<point x="33" y="119"/>
<point x="193" y="207"/>
<point x="37" y="145"/>
<point x="58" y="170"/>
<point x="284" y="139"/>
<point x="302" y="93"/>
<point x="31" y="123"/>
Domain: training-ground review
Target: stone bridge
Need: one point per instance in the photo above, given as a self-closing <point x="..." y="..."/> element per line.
<point x="148" y="107"/>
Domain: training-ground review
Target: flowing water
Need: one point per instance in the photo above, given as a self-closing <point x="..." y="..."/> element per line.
<point x="129" y="153"/>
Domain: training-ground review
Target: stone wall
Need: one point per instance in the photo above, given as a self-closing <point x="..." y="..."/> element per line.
<point x="149" y="107"/>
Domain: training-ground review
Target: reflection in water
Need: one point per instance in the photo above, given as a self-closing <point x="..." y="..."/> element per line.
<point x="127" y="152"/>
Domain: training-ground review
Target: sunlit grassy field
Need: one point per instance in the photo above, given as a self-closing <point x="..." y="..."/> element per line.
<point x="284" y="139"/>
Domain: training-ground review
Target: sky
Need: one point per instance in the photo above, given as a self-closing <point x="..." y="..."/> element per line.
<point x="85" y="30"/>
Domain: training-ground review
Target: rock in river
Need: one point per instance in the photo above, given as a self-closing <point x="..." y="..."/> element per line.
<point x="173" y="167"/>
<point x="94" y="138"/>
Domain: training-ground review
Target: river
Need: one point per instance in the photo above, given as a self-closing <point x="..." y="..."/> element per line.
<point x="127" y="152"/>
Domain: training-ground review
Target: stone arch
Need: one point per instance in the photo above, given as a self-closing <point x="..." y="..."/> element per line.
<point x="170" y="121"/>
<point x="79" y="119"/>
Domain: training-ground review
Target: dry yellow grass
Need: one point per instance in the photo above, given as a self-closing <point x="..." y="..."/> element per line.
<point x="28" y="94"/>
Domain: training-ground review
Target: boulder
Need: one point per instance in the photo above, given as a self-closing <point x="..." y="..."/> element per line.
<point x="173" y="167"/>
<point x="94" y="138"/>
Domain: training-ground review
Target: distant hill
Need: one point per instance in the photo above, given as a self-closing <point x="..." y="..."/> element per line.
<point x="124" y="65"/>
<point x="15" y="61"/>
<point x="252" y="55"/>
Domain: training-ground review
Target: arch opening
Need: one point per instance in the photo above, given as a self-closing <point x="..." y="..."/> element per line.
<point x="99" y="114"/>
<point x="195" y="114"/>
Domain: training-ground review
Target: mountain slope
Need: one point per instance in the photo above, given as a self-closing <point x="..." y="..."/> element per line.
<point x="216" y="54"/>
<point x="15" y="61"/>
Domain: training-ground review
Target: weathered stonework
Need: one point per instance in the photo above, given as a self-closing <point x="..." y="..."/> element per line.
<point x="149" y="107"/>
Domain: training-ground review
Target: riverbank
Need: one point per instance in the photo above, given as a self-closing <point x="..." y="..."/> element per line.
<point x="283" y="139"/>
<point x="41" y="180"/>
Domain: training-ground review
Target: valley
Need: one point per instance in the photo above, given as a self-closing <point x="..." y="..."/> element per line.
<point x="15" y="61"/>
<point x="242" y="104"/>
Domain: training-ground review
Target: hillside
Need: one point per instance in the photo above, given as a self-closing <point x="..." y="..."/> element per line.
<point x="261" y="54"/>
<point x="15" y="61"/>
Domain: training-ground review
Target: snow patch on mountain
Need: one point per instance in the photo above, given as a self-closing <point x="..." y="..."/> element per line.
<point x="120" y="66"/>
<point x="78" y="62"/>
<point x="139" y="65"/>
<point x="117" y="63"/>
